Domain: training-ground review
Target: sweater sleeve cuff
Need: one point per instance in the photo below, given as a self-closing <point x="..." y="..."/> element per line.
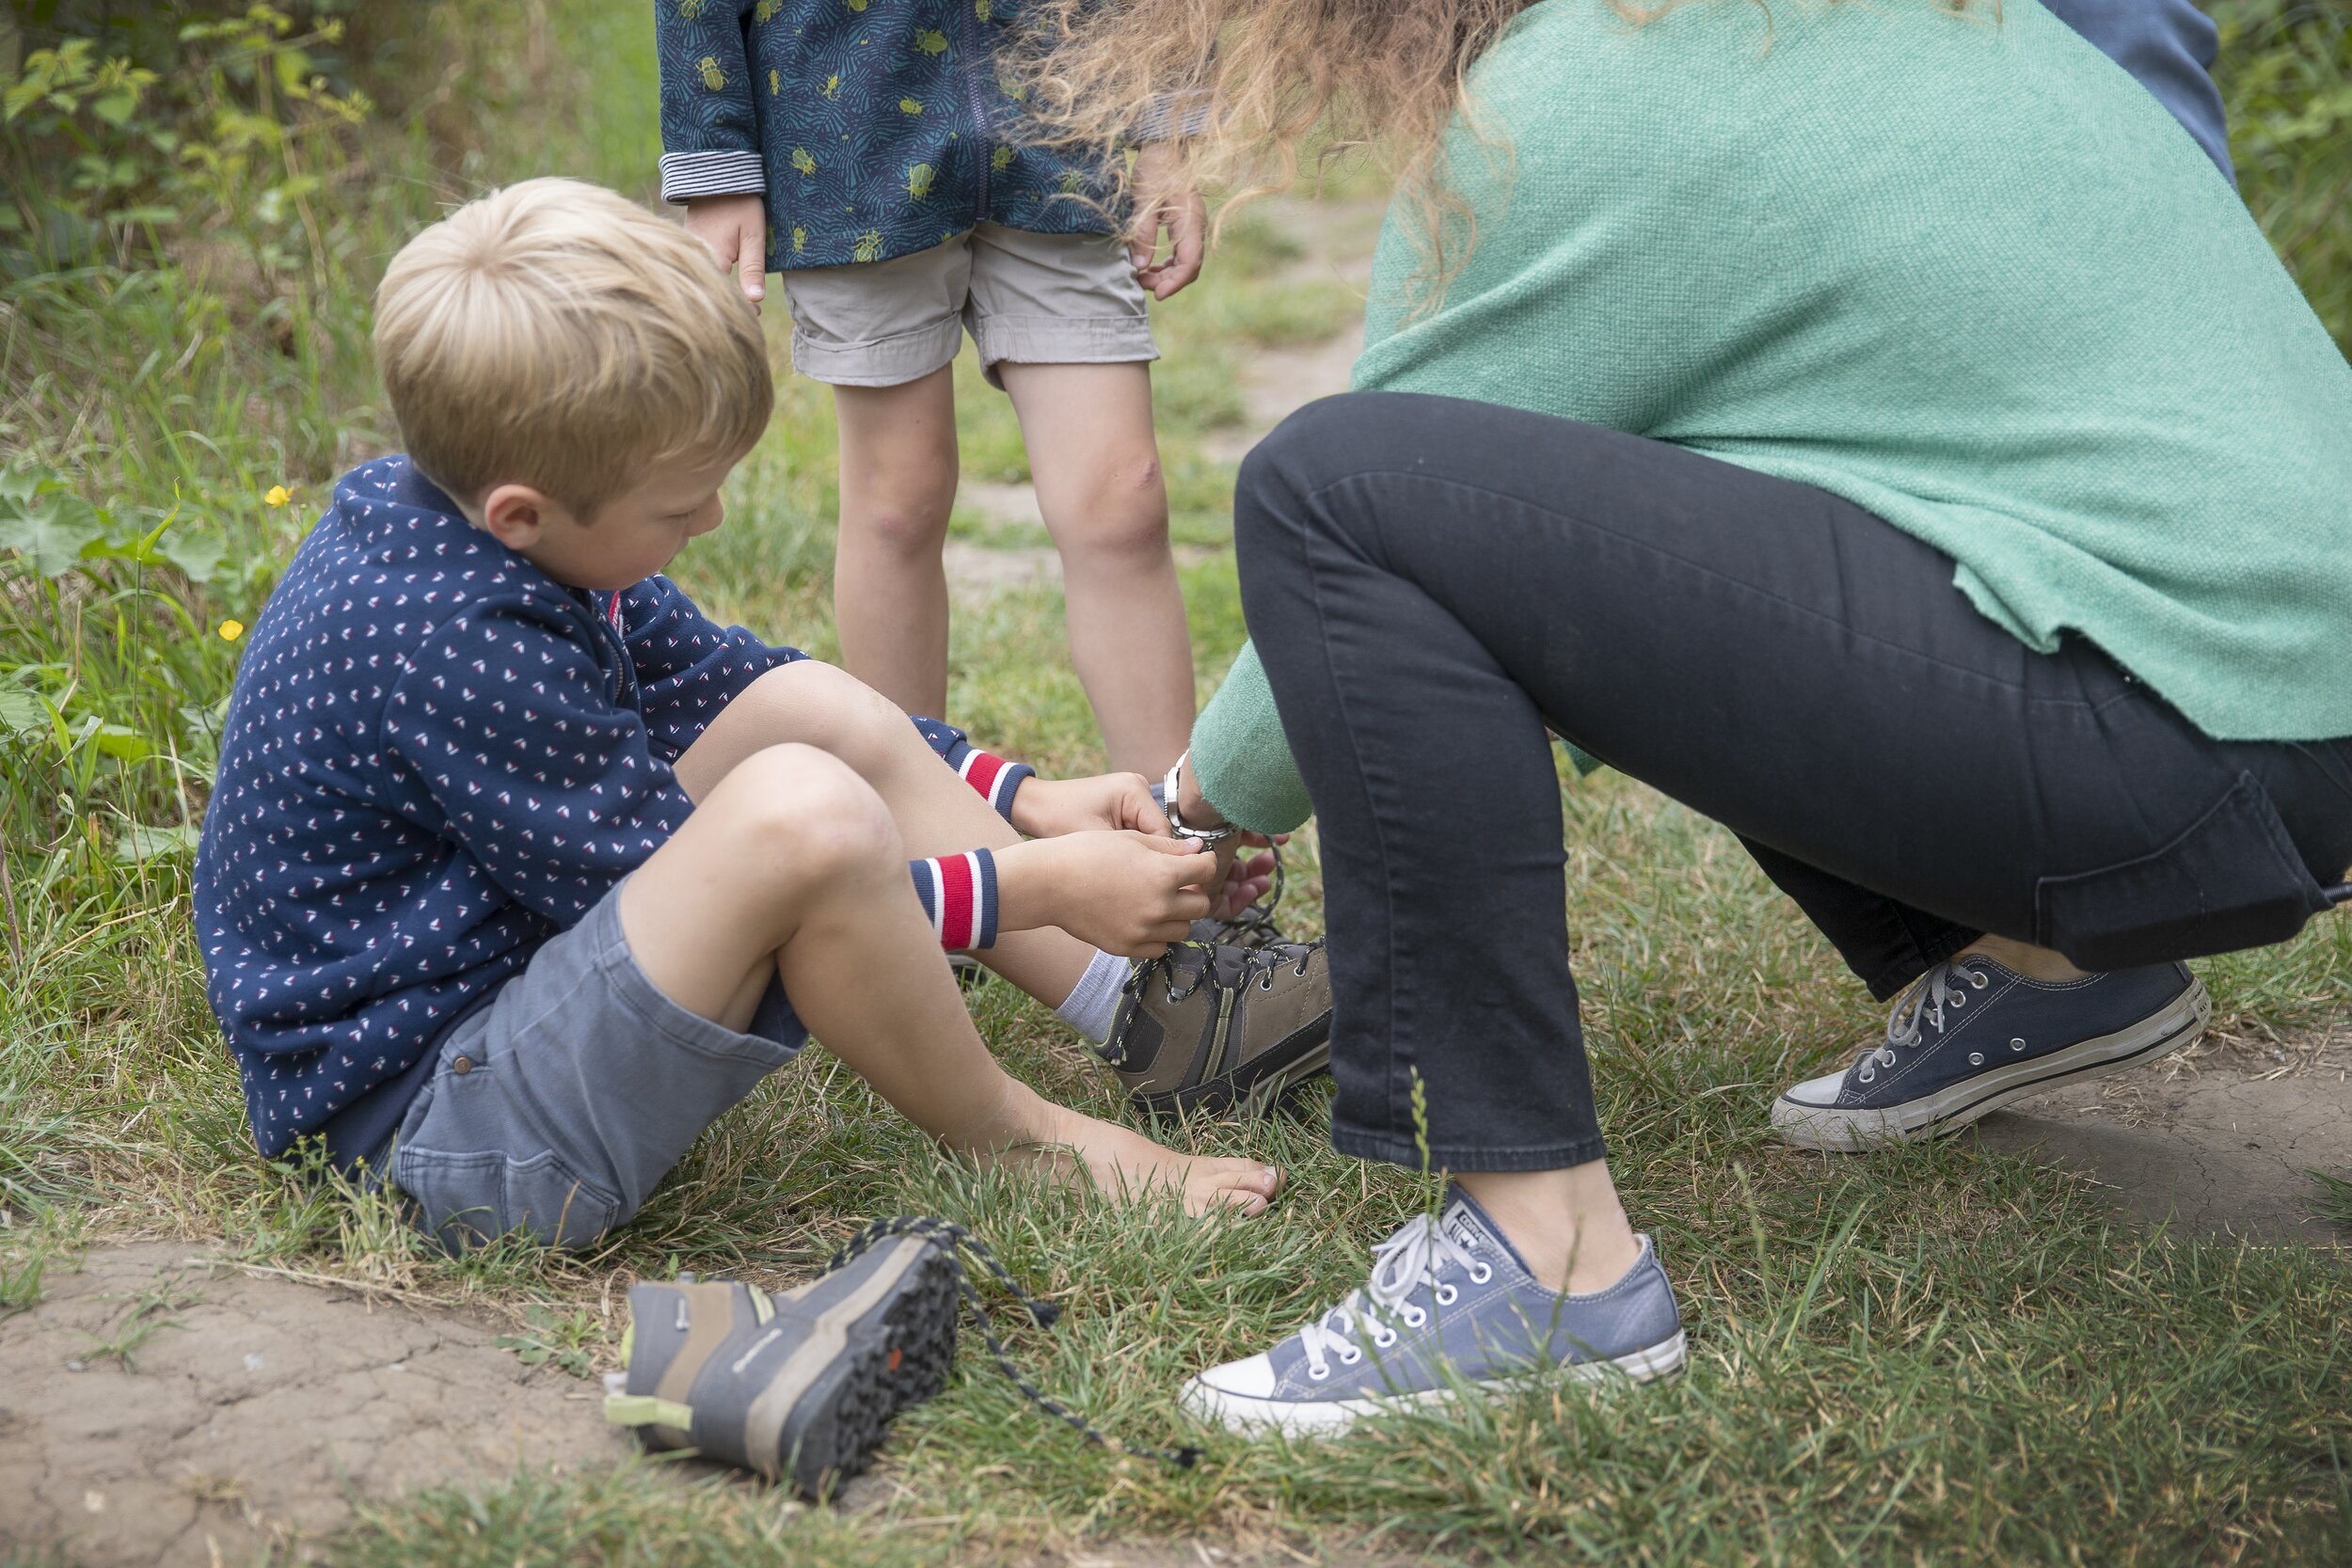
<point x="686" y="175"/>
<point x="958" y="898"/>
<point x="1171" y="117"/>
<point x="1241" y="757"/>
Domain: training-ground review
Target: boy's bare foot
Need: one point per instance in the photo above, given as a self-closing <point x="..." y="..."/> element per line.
<point x="1130" y="1167"/>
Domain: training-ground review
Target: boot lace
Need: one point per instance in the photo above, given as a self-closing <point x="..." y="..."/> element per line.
<point x="1258" y="966"/>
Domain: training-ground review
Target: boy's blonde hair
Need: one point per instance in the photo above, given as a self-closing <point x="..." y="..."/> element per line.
<point x="555" y="335"/>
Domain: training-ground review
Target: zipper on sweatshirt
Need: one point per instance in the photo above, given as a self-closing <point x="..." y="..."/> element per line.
<point x="983" y="129"/>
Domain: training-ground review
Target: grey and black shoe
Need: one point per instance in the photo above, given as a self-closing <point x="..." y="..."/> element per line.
<point x="1222" y="1028"/>
<point x="1971" y="1036"/>
<point x="796" y="1386"/>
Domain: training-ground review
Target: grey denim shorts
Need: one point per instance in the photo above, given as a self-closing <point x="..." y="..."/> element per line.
<point x="556" y="1107"/>
<point x="1033" y="299"/>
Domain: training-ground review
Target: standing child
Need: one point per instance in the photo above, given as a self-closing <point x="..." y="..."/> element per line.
<point x="857" y="147"/>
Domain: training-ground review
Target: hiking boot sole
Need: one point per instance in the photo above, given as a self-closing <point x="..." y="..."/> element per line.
<point x="1272" y="1077"/>
<point x="868" y="1357"/>
<point x="1851" y="1128"/>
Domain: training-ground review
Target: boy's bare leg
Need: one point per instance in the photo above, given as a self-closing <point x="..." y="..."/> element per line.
<point x="792" y="865"/>
<point x="936" y="813"/>
<point x="1097" y="467"/>
<point x="898" y="486"/>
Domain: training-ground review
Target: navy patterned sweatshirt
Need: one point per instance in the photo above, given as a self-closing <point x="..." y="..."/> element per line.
<point x="435" y="759"/>
<point x="874" y="128"/>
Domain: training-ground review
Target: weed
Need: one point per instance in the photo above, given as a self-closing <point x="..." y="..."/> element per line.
<point x="560" y="1340"/>
<point x="2332" y="1198"/>
<point x="147" y="1315"/>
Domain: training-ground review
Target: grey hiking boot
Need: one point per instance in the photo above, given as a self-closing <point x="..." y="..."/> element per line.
<point x="1219" y="1028"/>
<point x="1449" y="1307"/>
<point x="1970" y="1036"/>
<point x="799" y="1386"/>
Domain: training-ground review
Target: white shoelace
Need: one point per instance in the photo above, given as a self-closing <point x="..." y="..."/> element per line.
<point x="1416" y="1255"/>
<point x="1944" y="986"/>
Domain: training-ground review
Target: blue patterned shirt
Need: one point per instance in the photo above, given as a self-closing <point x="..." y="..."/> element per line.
<point x="875" y="128"/>
<point x="435" y="759"/>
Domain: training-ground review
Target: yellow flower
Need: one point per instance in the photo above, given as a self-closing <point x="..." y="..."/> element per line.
<point x="231" y="630"/>
<point x="278" y="494"/>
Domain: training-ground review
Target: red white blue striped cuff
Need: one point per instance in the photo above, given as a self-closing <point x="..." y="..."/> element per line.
<point x="959" y="895"/>
<point x="995" y="778"/>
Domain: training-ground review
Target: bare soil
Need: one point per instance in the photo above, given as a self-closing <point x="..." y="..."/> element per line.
<point x="256" y="1410"/>
<point x="2218" y="1140"/>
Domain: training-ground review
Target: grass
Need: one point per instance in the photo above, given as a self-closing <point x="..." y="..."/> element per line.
<point x="1935" y="1354"/>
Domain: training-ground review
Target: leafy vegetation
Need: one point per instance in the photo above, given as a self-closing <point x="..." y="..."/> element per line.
<point x="1931" y="1354"/>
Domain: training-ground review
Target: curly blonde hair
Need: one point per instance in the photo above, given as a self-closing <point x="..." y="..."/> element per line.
<point x="1278" y="85"/>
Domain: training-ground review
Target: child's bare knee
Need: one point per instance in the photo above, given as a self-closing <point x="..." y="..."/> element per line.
<point x="807" y="812"/>
<point x="1126" y="512"/>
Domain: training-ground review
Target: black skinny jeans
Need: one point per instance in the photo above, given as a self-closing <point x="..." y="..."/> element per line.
<point x="1431" y="582"/>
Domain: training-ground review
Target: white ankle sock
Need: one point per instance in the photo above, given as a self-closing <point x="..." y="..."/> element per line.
<point x="1095" y="998"/>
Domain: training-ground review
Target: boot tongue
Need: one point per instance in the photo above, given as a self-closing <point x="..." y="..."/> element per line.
<point x="1466" y="1223"/>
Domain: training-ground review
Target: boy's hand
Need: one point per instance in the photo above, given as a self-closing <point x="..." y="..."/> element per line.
<point x="1048" y="808"/>
<point x="1165" y="200"/>
<point x="736" y="230"/>
<point x="1126" y="892"/>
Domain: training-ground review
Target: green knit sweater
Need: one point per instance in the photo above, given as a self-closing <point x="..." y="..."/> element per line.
<point x="1964" y="273"/>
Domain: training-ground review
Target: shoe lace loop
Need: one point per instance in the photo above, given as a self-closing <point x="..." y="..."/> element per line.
<point x="1416" y="1256"/>
<point x="1943" y="988"/>
<point x="957" y="1241"/>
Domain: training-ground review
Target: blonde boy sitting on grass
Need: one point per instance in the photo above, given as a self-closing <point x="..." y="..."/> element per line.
<point x="519" y="871"/>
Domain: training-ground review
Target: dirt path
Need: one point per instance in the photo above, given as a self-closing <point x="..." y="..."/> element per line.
<point x="2219" y="1140"/>
<point x="253" y="1411"/>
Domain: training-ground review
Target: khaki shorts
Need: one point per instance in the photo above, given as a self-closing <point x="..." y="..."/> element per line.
<point x="1035" y="299"/>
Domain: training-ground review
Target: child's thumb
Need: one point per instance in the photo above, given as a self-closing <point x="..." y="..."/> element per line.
<point x="1178" y="847"/>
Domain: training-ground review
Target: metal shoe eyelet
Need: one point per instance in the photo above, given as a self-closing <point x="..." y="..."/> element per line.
<point x="1866" y="1076"/>
<point x="1319" y="1373"/>
<point x="1380" y="1342"/>
<point x="1265" y="981"/>
<point x="1414" y="1317"/>
<point x="2017" y="1045"/>
<point x="1886" y="1055"/>
<point x="1958" y="997"/>
<point x="1172" y="997"/>
<point x="1976" y="978"/>
<point x="1481" y="1273"/>
<point x="1349" y="1356"/>
<point x="1447" y="1295"/>
<point x="1976" y="1058"/>
<point x="1300" y="968"/>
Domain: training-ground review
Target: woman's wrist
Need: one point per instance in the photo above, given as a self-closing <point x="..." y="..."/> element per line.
<point x="1191" y="805"/>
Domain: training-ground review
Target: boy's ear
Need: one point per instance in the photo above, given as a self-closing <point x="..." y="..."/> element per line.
<point x="515" y="513"/>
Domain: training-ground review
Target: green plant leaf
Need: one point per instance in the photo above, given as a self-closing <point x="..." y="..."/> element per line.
<point x="141" y="841"/>
<point x="53" y="530"/>
<point x="21" y="713"/>
<point x="122" y="743"/>
<point x="197" y="554"/>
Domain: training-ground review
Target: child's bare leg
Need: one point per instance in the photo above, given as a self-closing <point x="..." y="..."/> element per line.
<point x="936" y="813"/>
<point x="792" y="865"/>
<point x="1097" y="466"/>
<point x="897" y="485"/>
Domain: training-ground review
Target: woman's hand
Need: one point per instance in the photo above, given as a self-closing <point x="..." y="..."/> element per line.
<point x="1165" y="200"/>
<point x="736" y="230"/>
<point x="1238" y="883"/>
<point x="1048" y="808"/>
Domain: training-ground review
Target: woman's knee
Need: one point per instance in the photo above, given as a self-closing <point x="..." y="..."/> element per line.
<point x="1318" y="446"/>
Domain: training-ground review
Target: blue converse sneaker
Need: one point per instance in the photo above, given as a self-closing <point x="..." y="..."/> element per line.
<point x="1450" y="1296"/>
<point x="1971" y="1036"/>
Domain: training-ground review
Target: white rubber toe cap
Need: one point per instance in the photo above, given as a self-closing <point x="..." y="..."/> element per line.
<point x="1250" y="1379"/>
<point x="1816" y="1094"/>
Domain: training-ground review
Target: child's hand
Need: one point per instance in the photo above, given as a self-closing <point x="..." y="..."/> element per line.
<point x="736" y="230"/>
<point x="1048" y="808"/>
<point x="1165" y="200"/>
<point x="1126" y="892"/>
